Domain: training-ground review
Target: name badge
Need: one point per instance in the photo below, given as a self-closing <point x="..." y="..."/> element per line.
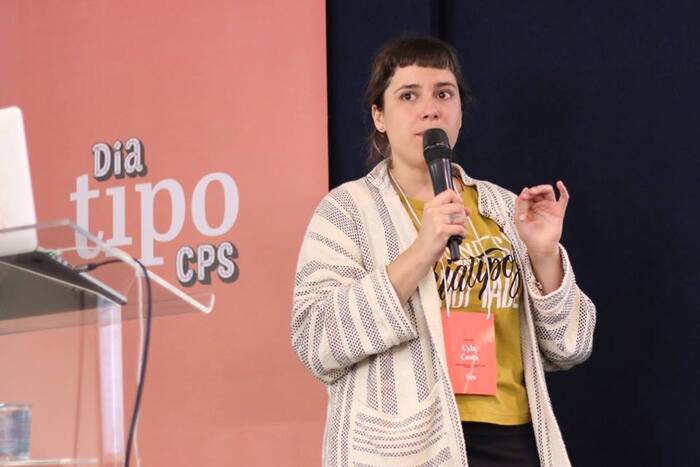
<point x="470" y="344"/>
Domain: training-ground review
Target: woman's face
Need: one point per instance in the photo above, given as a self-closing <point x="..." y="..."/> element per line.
<point x="418" y="98"/>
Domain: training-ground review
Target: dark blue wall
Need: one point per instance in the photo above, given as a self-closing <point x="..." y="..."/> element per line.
<point x="604" y="96"/>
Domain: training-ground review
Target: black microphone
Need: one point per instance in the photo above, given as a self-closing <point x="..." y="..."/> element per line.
<point x="438" y="155"/>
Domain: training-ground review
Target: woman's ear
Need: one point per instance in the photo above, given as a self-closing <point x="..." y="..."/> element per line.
<point x="378" y="118"/>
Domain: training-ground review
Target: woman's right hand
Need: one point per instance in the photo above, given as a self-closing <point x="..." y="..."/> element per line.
<point x="443" y="217"/>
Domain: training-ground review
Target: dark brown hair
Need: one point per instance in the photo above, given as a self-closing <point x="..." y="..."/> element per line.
<point x="399" y="53"/>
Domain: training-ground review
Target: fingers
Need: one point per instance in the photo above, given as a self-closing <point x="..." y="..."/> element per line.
<point x="449" y="230"/>
<point x="451" y="213"/>
<point x="457" y="218"/>
<point x="452" y="217"/>
<point x="539" y="191"/>
<point x="443" y="216"/>
<point x="447" y="196"/>
<point x="446" y="215"/>
<point x="521" y="206"/>
<point x="531" y="197"/>
<point x="445" y="220"/>
<point x="447" y="206"/>
<point x="564" y="194"/>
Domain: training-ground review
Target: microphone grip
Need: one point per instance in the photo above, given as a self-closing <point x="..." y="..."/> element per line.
<point x="453" y="245"/>
<point x="441" y="176"/>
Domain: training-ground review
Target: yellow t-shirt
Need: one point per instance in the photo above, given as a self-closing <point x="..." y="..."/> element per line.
<point x="466" y="281"/>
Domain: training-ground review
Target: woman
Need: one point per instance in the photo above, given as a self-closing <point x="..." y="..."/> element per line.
<point x="387" y="322"/>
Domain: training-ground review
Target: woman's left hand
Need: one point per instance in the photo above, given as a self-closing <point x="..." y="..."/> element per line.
<point x="539" y="218"/>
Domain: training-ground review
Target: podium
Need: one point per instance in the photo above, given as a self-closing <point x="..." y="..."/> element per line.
<point x="75" y="288"/>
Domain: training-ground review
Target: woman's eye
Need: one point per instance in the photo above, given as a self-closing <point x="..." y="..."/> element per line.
<point x="444" y="94"/>
<point x="407" y="96"/>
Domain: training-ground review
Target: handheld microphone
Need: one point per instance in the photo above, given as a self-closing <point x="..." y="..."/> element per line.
<point x="438" y="155"/>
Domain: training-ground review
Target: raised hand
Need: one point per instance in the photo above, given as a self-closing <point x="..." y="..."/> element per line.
<point x="539" y="218"/>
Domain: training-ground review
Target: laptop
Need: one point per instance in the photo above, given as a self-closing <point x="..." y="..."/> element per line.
<point x="16" y="199"/>
<point x="26" y="269"/>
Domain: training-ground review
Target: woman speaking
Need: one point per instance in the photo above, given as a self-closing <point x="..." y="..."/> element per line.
<point x="431" y="359"/>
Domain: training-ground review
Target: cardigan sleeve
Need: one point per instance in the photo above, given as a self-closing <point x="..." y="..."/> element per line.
<point x="342" y="313"/>
<point x="564" y="319"/>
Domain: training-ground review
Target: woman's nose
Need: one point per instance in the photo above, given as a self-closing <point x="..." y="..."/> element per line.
<point x="430" y="110"/>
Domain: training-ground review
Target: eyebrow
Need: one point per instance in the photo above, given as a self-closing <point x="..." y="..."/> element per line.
<point x="416" y="86"/>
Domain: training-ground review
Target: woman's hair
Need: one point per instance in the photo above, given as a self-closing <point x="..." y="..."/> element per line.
<point x="399" y="53"/>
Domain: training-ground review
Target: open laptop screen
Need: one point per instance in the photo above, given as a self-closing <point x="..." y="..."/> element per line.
<point x="16" y="199"/>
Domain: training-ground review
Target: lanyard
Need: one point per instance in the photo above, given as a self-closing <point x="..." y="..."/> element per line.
<point x="418" y="222"/>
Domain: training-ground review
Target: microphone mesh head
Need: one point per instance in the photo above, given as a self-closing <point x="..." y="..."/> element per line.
<point x="436" y="145"/>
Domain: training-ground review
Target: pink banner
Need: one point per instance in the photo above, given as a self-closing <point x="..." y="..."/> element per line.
<point x="193" y="136"/>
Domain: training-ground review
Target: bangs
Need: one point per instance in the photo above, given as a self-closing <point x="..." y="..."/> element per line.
<point x="423" y="54"/>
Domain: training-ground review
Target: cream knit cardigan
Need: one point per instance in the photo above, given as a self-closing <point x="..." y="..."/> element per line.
<point x="390" y="402"/>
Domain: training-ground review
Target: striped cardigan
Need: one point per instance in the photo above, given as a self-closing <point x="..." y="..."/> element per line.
<point x="390" y="402"/>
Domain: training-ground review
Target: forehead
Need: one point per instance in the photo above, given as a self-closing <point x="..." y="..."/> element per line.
<point x="421" y="76"/>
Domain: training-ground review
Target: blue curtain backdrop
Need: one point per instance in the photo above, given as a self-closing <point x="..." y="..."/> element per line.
<point x="604" y="95"/>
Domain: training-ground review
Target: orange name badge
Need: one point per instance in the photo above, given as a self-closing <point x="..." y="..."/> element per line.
<point x="470" y="344"/>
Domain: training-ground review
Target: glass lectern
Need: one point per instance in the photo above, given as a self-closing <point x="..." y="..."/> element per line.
<point x="73" y="279"/>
